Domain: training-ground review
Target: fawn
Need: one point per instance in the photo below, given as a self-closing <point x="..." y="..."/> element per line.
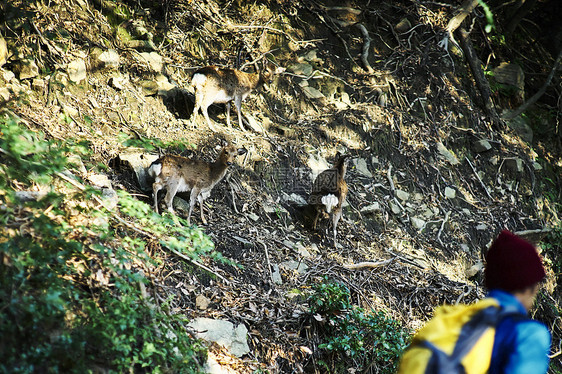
<point x="180" y="174"/>
<point x="329" y="191"/>
<point x="214" y="85"/>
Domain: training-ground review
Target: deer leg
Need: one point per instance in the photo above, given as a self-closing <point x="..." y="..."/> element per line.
<point x="316" y="218"/>
<point x="192" y="201"/>
<point x="172" y="189"/>
<point x="335" y="218"/>
<point x="238" y="103"/>
<point x="228" y="114"/>
<point x="156" y="187"/>
<point x="201" y="199"/>
<point x="196" y="107"/>
<point x="206" y="114"/>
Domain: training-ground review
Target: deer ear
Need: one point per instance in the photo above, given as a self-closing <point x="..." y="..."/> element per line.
<point x="242" y="151"/>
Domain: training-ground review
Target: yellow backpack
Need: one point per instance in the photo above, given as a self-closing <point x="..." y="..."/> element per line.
<point x="458" y="339"/>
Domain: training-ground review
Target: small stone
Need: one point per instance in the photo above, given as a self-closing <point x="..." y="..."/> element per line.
<point x="201" y="302"/>
<point x="450" y="193"/>
<point x="27" y="69"/>
<point x="395" y="208"/>
<point x="8" y="75"/>
<point x="362" y="168"/>
<point x="372" y="208"/>
<point x="474" y="269"/>
<point x="4" y="94"/>
<point x="537" y="166"/>
<point x="514" y="164"/>
<point x="154" y="61"/>
<point x="402" y="195"/>
<point x="403" y="26"/>
<point x="482" y="145"/>
<point x="301" y="69"/>
<point x="312" y="93"/>
<point x="76" y="70"/>
<point x="253" y="216"/>
<point x="447" y="154"/>
<point x="276" y="275"/>
<point x="299" y="266"/>
<point x="110" y="59"/>
<point x="418" y="223"/>
<point x="99" y="180"/>
<point x="481" y="227"/>
<point x="3" y="51"/>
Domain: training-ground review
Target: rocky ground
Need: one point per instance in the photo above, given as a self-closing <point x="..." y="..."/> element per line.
<point x="432" y="179"/>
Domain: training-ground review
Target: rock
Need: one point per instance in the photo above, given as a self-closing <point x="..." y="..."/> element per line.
<point x="254" y="217"/>
<point x="148" y="87"/>
<point x="362" y="168"/>
<point x="372" y="208"/>
<point x="536" y="166"/>
<point x="520" y="127"/>
<point x="276" y="275"/>
<point x="99" y="180"/>
<point x="223" y="333"/>
<point x="253" y="124"/>
<point x="446" y="154"/>
<point x="139" y="162"/>
<point x="302" y="251"/>
<point x="481" y="145"/>
<point x="76" y="70"/>
<point x="514" y="164"/>
<point x="474" y="269"/>
<point x="8" y="75"/>
<point x="110" y="59"/>
<point x="294" y="199"/>
<point x="511" y="74"/>
<point x="395" y="208"/>
<point x="165" y="88"/>
<point x="4" y="94"/>
<point x="3" y="52"/>
<point x="289" y="244"/>
<point x="301" y="69"/>
<point x="418" y="223"/>
<point x="450" y="193"/>
<point x="298" y="266"/>
<point x="403" y="26"/>
<point x="312" y="93"/>
<point x="201" y="302"/>
<point x="110" y="198"/>
<point x="481" y="227"/>
<point x="402" y="195"/>
<point x="153" y="60"/>
<point x="317" y="164"/>
<point x="26" y="69"/>
<point x="38" y="84"/>
<point x="118" y="81"/>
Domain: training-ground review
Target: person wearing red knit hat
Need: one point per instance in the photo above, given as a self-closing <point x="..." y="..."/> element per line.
<point x="513" y="274"/>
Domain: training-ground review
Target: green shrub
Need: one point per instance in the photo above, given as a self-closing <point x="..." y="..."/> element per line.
<point x="72" y="274"/>
<point x="354" y="337"/>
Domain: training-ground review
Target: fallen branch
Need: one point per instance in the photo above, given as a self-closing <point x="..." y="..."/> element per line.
<point x="447" y="215"/>
<point x="366" y="46"/>
<point x="476" y="68"/>
<point x="367" y="264"/>
<point x="477" y="176"/>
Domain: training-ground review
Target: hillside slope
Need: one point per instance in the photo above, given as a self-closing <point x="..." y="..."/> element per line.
<point x="433" y="178"/>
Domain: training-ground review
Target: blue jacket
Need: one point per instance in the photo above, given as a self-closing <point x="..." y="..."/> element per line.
<point x="521" y="346"/>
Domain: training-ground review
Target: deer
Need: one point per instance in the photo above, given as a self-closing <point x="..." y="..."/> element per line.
<point x="181" y="174"/>
<point x="214" y="85"/>
<point x="329" y="192"/>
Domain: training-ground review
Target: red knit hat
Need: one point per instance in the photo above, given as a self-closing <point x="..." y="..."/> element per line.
<point x="512" y="263"/>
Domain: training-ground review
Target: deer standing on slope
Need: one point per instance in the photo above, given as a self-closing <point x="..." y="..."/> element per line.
<point x="214" y="85"/>
<point x="329" y="191"/>
<point x="180" y="174"/>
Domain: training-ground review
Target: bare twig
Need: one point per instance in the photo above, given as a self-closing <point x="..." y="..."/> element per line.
<point x="477" y="176"/>
<point x="367" y="264"/>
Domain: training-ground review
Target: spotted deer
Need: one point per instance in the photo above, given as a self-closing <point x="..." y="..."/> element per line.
<point x="329" y="192"/>
<point x="180" y="174"/>
<point x="214" y="85"/>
